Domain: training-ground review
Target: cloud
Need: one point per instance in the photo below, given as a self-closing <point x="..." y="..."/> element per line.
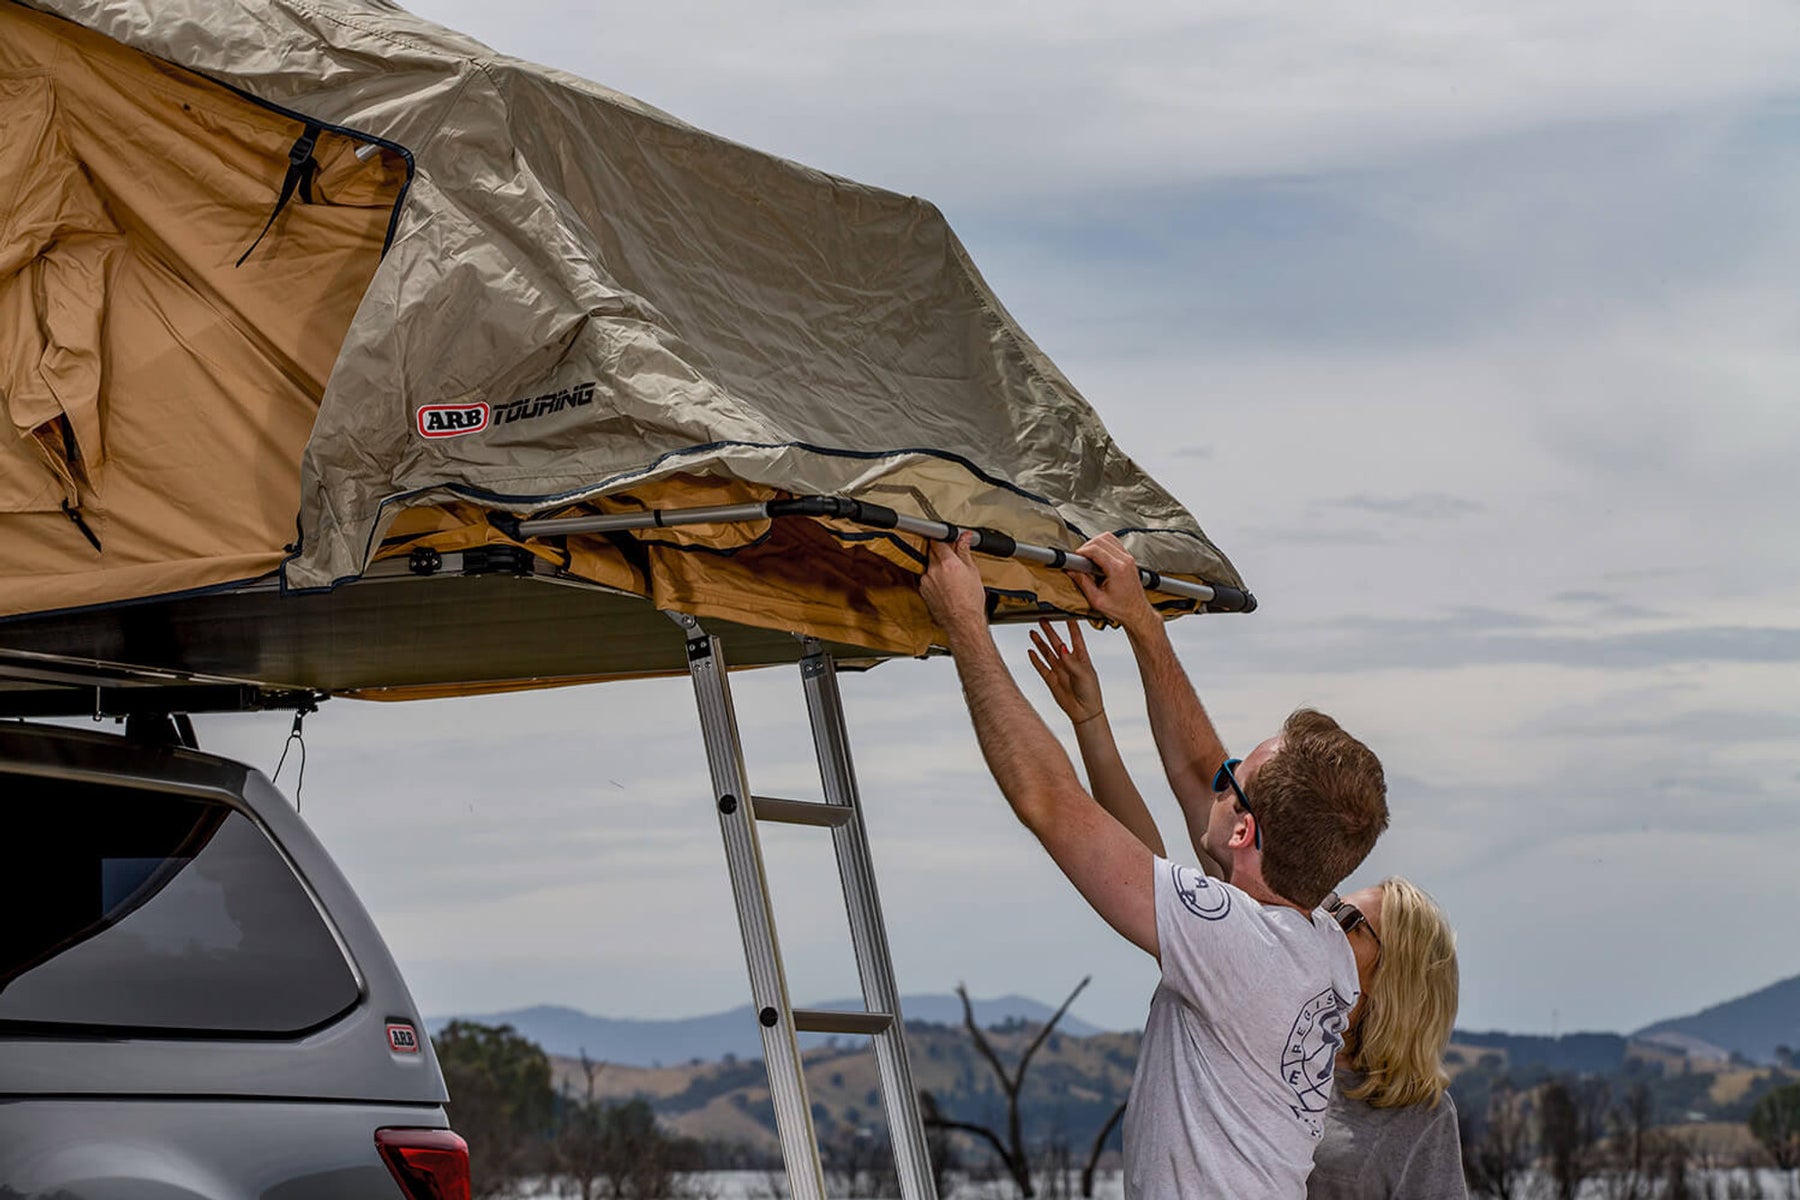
<point x="1423" y="506"/>
<point x="1694" y="727"/>
<point x="1316" y="535"/>
<point x="1473" y="638"/>
<point x="1605" y="607"/>
<point x="954" y="99"/>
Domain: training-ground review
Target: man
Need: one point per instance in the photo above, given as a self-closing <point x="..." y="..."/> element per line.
<point x="1236" y="1064"/>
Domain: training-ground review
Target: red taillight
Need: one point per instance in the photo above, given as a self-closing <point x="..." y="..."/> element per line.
<point x="430" y="1164"/>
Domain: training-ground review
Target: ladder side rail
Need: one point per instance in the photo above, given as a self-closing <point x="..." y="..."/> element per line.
<point x="756" y="923"/>
<point x="868" y="932"/>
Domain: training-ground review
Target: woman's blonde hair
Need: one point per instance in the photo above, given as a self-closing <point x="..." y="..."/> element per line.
<point x="1407" y="1013"/>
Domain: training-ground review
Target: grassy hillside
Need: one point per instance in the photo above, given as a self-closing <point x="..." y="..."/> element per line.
<point x="1075" y="1082"/>
<point x="1072" y="1087"/>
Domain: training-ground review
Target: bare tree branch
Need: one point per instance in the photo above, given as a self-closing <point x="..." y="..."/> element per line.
<point x="982" y="1131"/>
<point x="982" y="1044"/>
<point x="1093" y="1161"/>
<point x="1049" y="1025"/>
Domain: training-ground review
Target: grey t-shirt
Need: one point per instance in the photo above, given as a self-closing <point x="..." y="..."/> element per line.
<point x="1369" y="1153"/>
<point x="1235" y="1071"/>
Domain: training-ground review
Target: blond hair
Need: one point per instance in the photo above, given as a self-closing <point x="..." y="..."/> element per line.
<point x="1404" y="1023"/>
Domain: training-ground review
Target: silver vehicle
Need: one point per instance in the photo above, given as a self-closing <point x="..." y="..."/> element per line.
<point x="193" y="1002"/>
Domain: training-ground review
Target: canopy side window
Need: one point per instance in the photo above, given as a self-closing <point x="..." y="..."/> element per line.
<point x="157" y="913"/>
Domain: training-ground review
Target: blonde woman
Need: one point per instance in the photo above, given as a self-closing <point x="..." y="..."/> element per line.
<point x="1390" y="1132"/>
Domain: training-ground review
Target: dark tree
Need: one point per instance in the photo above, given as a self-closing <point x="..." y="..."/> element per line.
<point x="1011" y="1149"/>
<point x="581" y="1140"/>
<point x="1775" y="1121"/>
<point x="500" y="1101"/>
<point x="1676" y="1159"/>
<point x="1571" y="1120"/>
<point x="617" y="1151"/>
<point x="1497" y="1145"/>
<point x="858" y="1164"/>
<point x="1637" y="1155"/>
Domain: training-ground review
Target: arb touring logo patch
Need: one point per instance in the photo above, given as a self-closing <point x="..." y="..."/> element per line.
<point x="452" y="420"/>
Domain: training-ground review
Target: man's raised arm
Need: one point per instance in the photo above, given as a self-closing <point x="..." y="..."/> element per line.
<point x="1109" y="866"/>
<point x="1190" y="747"/>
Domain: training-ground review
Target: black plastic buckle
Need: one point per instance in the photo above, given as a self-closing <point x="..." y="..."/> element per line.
<point x="303" y="149"/>
<point x="497" y="560"/>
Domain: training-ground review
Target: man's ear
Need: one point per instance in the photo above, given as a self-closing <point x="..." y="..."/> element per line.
<point x="1243" y="832"/>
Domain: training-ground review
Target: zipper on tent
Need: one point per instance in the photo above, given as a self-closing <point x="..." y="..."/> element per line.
<point x="73" y="512"/>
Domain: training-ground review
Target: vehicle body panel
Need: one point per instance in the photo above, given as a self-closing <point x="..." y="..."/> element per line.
<point x="89" y="1113"/>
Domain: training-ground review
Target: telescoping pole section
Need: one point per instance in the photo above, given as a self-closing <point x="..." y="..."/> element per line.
<point x="1216" y="597"/>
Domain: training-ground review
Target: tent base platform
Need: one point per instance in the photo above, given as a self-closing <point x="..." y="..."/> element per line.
<point x="406" y="637"/>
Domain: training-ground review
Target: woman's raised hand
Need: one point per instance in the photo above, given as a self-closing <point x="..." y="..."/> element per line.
<point x="1067" y="671"/>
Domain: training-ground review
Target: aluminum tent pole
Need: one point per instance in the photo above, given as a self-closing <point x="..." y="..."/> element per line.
<point x="992" y="542"/>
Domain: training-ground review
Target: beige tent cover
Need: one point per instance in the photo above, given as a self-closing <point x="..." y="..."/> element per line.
<point x="505" y="288"/>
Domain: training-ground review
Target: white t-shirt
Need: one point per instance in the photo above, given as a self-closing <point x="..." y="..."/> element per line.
<point x="1235" y="1071"/>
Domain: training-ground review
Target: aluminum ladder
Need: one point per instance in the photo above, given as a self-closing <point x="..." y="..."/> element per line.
<point x="740" y="810"/>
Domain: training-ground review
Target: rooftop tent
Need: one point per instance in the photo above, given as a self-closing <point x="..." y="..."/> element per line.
<point x="290" y="291"/>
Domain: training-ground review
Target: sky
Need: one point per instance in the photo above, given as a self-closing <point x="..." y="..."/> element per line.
<point x="1468" y="331"/>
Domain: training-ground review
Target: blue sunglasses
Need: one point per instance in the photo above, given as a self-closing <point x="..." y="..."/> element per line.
<point x="1224" y="778"/>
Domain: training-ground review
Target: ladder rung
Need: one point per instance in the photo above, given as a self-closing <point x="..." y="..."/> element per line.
<point x="802" y="812"/>
<point x="815" y="1020"/>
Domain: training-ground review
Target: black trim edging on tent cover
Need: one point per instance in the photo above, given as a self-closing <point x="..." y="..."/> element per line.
<point x="486" y="496"/>
<point x="311" y="122"/>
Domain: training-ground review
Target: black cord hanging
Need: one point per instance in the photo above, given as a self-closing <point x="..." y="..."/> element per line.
<point x="296" y="734"/>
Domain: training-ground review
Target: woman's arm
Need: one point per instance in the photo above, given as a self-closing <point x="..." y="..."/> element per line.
<point x="1069" y="674"/>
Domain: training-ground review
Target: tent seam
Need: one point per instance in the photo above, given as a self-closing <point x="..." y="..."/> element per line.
<point x="384" y="35"/>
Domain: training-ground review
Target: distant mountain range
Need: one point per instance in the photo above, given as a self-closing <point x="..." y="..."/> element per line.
<point x="569" y="1032"/>
<point x="1752" y="1025"/>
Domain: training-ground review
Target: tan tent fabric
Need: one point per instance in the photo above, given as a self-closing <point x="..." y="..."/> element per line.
<point x="629" y="311"/>
<point x="156" y="390"/>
